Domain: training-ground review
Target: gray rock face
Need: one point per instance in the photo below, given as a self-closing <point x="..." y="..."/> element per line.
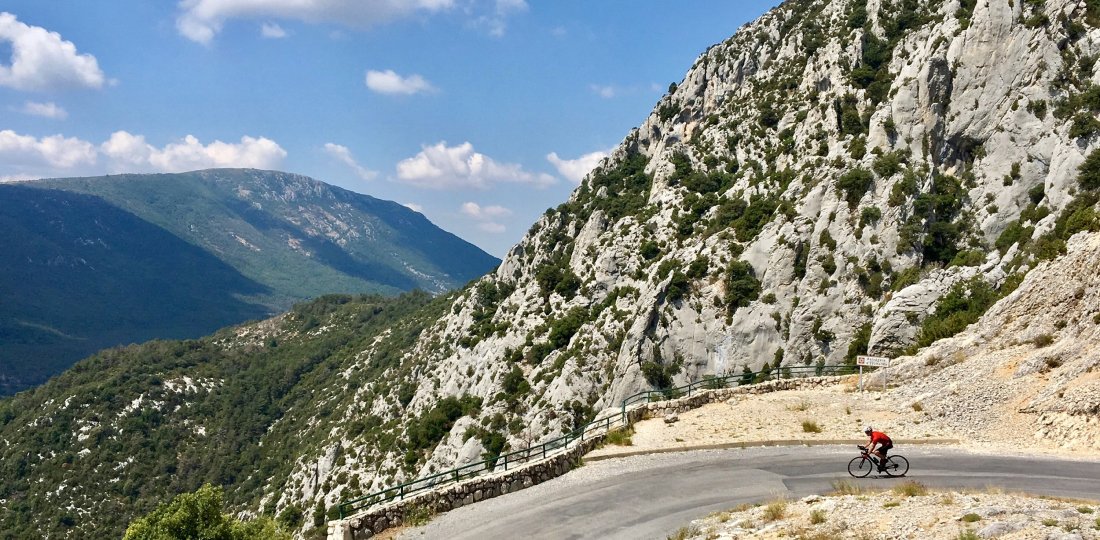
<point x="857" y="193"/>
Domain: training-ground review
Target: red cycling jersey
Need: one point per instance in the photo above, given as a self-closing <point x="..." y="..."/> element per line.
<point x="880" y="438"/>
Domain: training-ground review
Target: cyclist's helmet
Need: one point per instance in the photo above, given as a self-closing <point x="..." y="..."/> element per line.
<point x="867" y="430"/>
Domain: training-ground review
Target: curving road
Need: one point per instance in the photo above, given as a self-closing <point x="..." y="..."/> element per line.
<point x="653" y="496"/>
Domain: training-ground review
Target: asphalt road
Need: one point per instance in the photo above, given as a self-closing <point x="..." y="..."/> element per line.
<point x="653" y="496"/>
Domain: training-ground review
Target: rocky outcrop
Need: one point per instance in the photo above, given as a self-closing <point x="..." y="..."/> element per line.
<point x="1028" y="368"/>
<point x="809" y="191"/>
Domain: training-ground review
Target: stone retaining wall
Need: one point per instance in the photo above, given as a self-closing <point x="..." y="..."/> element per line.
<point x="461" y="494"/>
<point x="376" y="520"/>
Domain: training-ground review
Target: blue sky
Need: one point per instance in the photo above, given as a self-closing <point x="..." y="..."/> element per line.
<point x="479" y="113"/>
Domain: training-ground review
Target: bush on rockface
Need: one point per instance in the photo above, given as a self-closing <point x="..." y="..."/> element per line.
<point x="742" y="287"/>
<point x="855" y="184"/>
<point x="964" y="304"/>
<point x="1088" y="174"/>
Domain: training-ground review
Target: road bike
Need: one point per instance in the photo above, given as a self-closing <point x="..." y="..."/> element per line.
<point x="866" y="462"/>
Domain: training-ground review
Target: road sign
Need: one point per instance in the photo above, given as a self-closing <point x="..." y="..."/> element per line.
<point x="872" y="361"/>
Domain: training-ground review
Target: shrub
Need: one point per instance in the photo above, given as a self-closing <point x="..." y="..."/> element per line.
<point x="678" y="287"/>
<point x="962" y="305"/>
<point x="855" y="184"/>
<point x="844" y="487"/>
<point x="1084" y="125"/>
<point x="903" y="188"/>
<point x="1015" y="232"/>
<point x="556" y="276"/>
<point x="563" y="329"/>
<point x="775" y="511"/>
<point x="860" y="343"/>
<point x="910" y="488"/>
<point x="1037" y="193"/>
<point x="870" y="214"/>
<point x="917" y="407"/>
<point x="698" y="268"/>
<point x="514" y="383"/>
<point x="817" y="517"/>
<point x="742" y="287"/>
<point x="621" y="437"/>
<point x="1088" y="174"/>
<point x="970" y="518"/>
<point x="199" y="515"/>
<point x="970" y="257"/>
<point x="1042" y="340"/>
<point x="887" y="164"/>
<point x="430" y="428"/>
<point x="684" y="533"/>
<point x="659" y="374"/>
<point x="809" y="426"/>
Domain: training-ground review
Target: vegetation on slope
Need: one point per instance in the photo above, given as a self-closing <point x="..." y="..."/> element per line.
<point x="136" y="425"/>
<point x="199" y="515"/>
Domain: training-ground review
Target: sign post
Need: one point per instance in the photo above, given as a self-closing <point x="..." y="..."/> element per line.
<point x="873" y="361"/>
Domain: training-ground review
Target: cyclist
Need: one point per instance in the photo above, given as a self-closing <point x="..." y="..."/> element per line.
<point x="884" y="445"/>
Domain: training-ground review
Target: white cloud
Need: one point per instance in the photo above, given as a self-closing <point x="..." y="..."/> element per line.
<point x="604" y="91"/>
<point x="41" y="60"/>
<point x="477" y="211"/>
<point x="272" y="31"/>
<point x="26" y="156"/>
<point x="486" y="216"/>
<point x="449" y="167"/>
<point x="389" y="82"/>
<point x="131" y="152"/>
<point x="576" y="169"/>
<point x="201" y="20"/>
<point x="45" y="110"/>
<point x="496" y="22"/>
<point x="342" y="154"/>
<point x="414" y="207"/>
<point x="55" y="151"/>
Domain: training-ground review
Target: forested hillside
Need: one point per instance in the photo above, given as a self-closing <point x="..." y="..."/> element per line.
<point x="83" y="454"/>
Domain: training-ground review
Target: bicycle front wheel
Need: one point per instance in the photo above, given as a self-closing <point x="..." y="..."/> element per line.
<point x="860" y="467"/>
<point x="896" y="466"/>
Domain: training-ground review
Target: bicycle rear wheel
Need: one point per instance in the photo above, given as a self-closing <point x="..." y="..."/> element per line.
<point x="896" y="466"/>
<point x="860" y="467"/>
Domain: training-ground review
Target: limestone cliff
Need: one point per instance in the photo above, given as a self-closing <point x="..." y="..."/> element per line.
<point x="810" y="191"/>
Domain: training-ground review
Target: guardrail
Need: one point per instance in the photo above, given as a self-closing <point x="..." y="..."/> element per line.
<point x="549" y="448"/>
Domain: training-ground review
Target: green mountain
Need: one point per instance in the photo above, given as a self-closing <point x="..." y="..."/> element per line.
<point x="300" y="237"/>
<point x="80" y="275"/>
<point x="89" y="263"/>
